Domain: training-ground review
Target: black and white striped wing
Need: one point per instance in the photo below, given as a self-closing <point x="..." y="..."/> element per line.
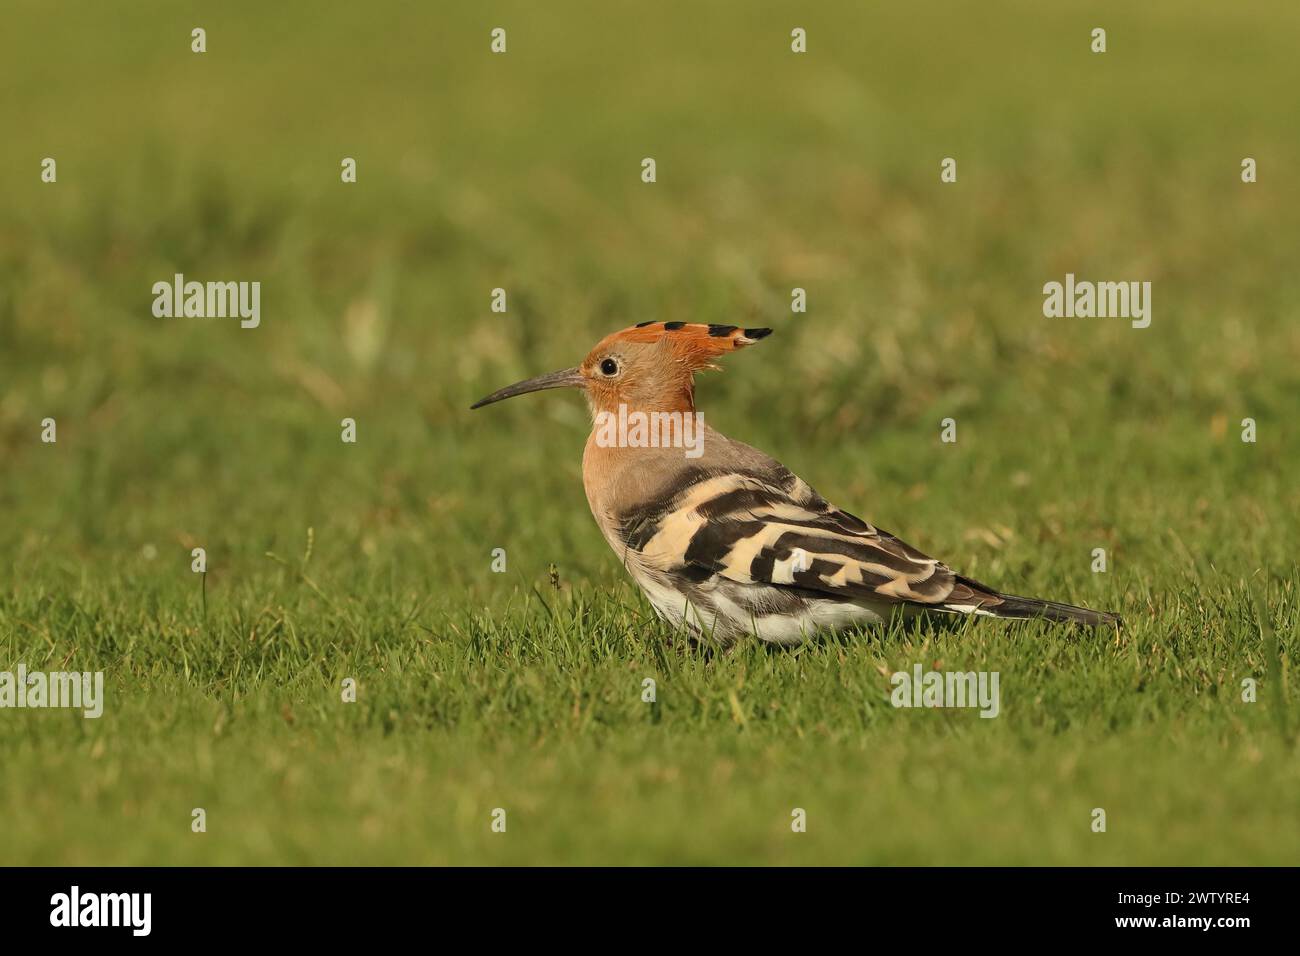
<point x="775" y="530"/>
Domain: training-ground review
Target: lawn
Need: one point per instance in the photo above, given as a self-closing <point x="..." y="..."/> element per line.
<point x="522" y="690"/>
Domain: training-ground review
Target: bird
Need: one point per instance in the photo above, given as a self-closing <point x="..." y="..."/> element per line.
<point x="724" y="540"/>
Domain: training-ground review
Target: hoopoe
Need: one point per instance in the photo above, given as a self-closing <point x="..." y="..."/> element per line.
<point x="730" y="543"/>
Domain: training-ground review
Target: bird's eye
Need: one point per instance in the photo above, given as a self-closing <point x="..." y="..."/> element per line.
<point x="609" y="367"/>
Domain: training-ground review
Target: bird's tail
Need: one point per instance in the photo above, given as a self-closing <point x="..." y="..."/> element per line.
<point x="1021" y="608"/>
<point x="997" y="604"/>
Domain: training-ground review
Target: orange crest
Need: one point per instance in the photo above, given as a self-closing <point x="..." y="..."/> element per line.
<point x="694" y="343"/>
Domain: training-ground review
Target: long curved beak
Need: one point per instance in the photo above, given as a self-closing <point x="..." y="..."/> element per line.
<point x="565" y="378"/>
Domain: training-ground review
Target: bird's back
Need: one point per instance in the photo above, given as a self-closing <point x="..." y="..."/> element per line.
<point x="733" y="543"/>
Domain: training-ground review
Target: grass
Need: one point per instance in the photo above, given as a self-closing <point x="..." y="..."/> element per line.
<point x="479" y="690"/>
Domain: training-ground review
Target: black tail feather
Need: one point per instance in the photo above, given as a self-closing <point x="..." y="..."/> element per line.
<point x="1022" y="608"/>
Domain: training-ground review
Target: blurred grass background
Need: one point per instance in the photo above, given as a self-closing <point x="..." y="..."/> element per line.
<point x="521" y="171"/>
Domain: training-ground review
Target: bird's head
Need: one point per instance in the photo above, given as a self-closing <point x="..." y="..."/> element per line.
<point x="648" y="367"/>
